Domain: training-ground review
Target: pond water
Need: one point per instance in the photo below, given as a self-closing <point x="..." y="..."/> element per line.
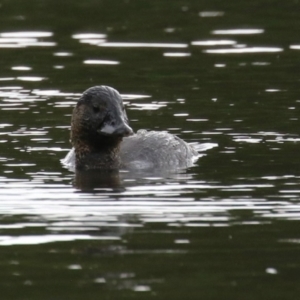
<point x="224" y="74"/>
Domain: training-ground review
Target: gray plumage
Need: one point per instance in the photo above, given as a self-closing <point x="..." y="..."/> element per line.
<point x="102" y="138"/>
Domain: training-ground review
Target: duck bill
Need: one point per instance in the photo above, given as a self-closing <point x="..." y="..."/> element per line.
<point x="122" y="130"/>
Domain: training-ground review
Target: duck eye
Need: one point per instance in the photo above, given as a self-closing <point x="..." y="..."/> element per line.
<point x="96" y="109"/>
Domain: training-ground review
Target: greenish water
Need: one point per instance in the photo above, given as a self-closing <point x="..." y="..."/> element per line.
<point x="213" y="72"/>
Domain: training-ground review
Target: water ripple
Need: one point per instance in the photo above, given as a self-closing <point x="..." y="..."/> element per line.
<point x="25" y="39"/>
<point x="244" y="50"/>
<point x="238" y="31"/>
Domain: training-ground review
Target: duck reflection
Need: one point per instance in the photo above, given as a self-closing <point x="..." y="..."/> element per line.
<point x="90" y="180"/>
<point x="119" y="180"/>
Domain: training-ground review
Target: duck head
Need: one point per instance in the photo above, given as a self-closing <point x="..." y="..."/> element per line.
<point x="99" y="122"/>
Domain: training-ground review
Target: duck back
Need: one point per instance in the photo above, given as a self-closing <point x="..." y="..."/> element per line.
<point x="156" y="149"/>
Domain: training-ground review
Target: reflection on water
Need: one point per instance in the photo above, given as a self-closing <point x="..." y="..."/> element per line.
<point x="24" y="39"/>
<point x="176" y="54"/>
<point x="238" y="31"/>
<point x="91" y="180"/>
<point x="176" y="199"/>
<point x="100" y="62"/>
<point x="244" y="50"/>
<point x="209" y="14"/>
<point x="35" y="240"/>
<point x="142" y="45"/>
<point x="213" y="43"/>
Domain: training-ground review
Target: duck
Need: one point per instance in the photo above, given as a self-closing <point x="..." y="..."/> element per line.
<point x="102" y="138"/>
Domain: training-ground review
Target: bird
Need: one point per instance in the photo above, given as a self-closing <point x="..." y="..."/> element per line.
<point x="102" y="138"/>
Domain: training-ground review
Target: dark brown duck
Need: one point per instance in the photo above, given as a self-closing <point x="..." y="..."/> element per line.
<point x="102" y="138"/>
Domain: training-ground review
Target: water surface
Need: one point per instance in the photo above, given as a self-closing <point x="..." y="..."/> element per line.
<point x="210" y="72"/>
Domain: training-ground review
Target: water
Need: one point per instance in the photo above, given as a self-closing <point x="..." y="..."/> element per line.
<point x="212" y="72"/>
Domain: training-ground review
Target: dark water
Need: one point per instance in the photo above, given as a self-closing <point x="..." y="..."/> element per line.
<point x="215" y="72"/>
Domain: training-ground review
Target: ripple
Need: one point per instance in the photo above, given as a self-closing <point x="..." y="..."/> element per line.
<point x="266" y="137"/>
<point x="94" y="42"/>
<point x="31" y="78"/>
<point x="15" y="108"/>
<point x="182" y="241"/>
<point x="12" y="88"/>
<point x="81" y="36"/>
<point x="7" y="79"/>
<point x="16" y="40"/>
<point x="176" y="54"/>
<point x="211" y="14"/>
<point x="278" y="177"/>
<point x="3" y="125"/>
<point x="20" y="165"/>
<point x="273" y="90"/>
<point x="90" y="38"/>
<point x="64" y="54"/>
<point x="213" y="43"/>
<point x="7" y="45"/>
<point x="169" y="29"/>
<point x="53" y="93"/>
<point x="260" y="63"/>
<point x="100" y="62"/>
<point x="65" y="104"/>
<point x="141" y="288"/>
<point x="21" y="68"/>
<point x="26" y="34"/>
<point x="42" y="239"/>
<point x="134" y="96"/>
<point x="41" y="44"/>
<point x="181" y="115"/>
<point x="248" y="140"/>
<point x="295" y="47"/>
<point x="58" y="207"/>
<point x="143" y="45"/>
<point x="146" y="106"/>
<point x="24" y="39"/>
<point x="244" y="50"/>
<point x="219" y="65"/>
<point x="55" y="149"/>
<point x="24" y="132"/>
<point x="238" y="31"/>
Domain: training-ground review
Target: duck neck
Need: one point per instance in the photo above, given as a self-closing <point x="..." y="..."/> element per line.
<point x="95" y="156"/>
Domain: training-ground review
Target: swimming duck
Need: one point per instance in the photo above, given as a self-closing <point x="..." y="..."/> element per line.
<point x="102" y="138"/>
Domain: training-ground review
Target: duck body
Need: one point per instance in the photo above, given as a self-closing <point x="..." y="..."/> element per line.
<point x="102" y="138"/>
<point x="156" y="149"/>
